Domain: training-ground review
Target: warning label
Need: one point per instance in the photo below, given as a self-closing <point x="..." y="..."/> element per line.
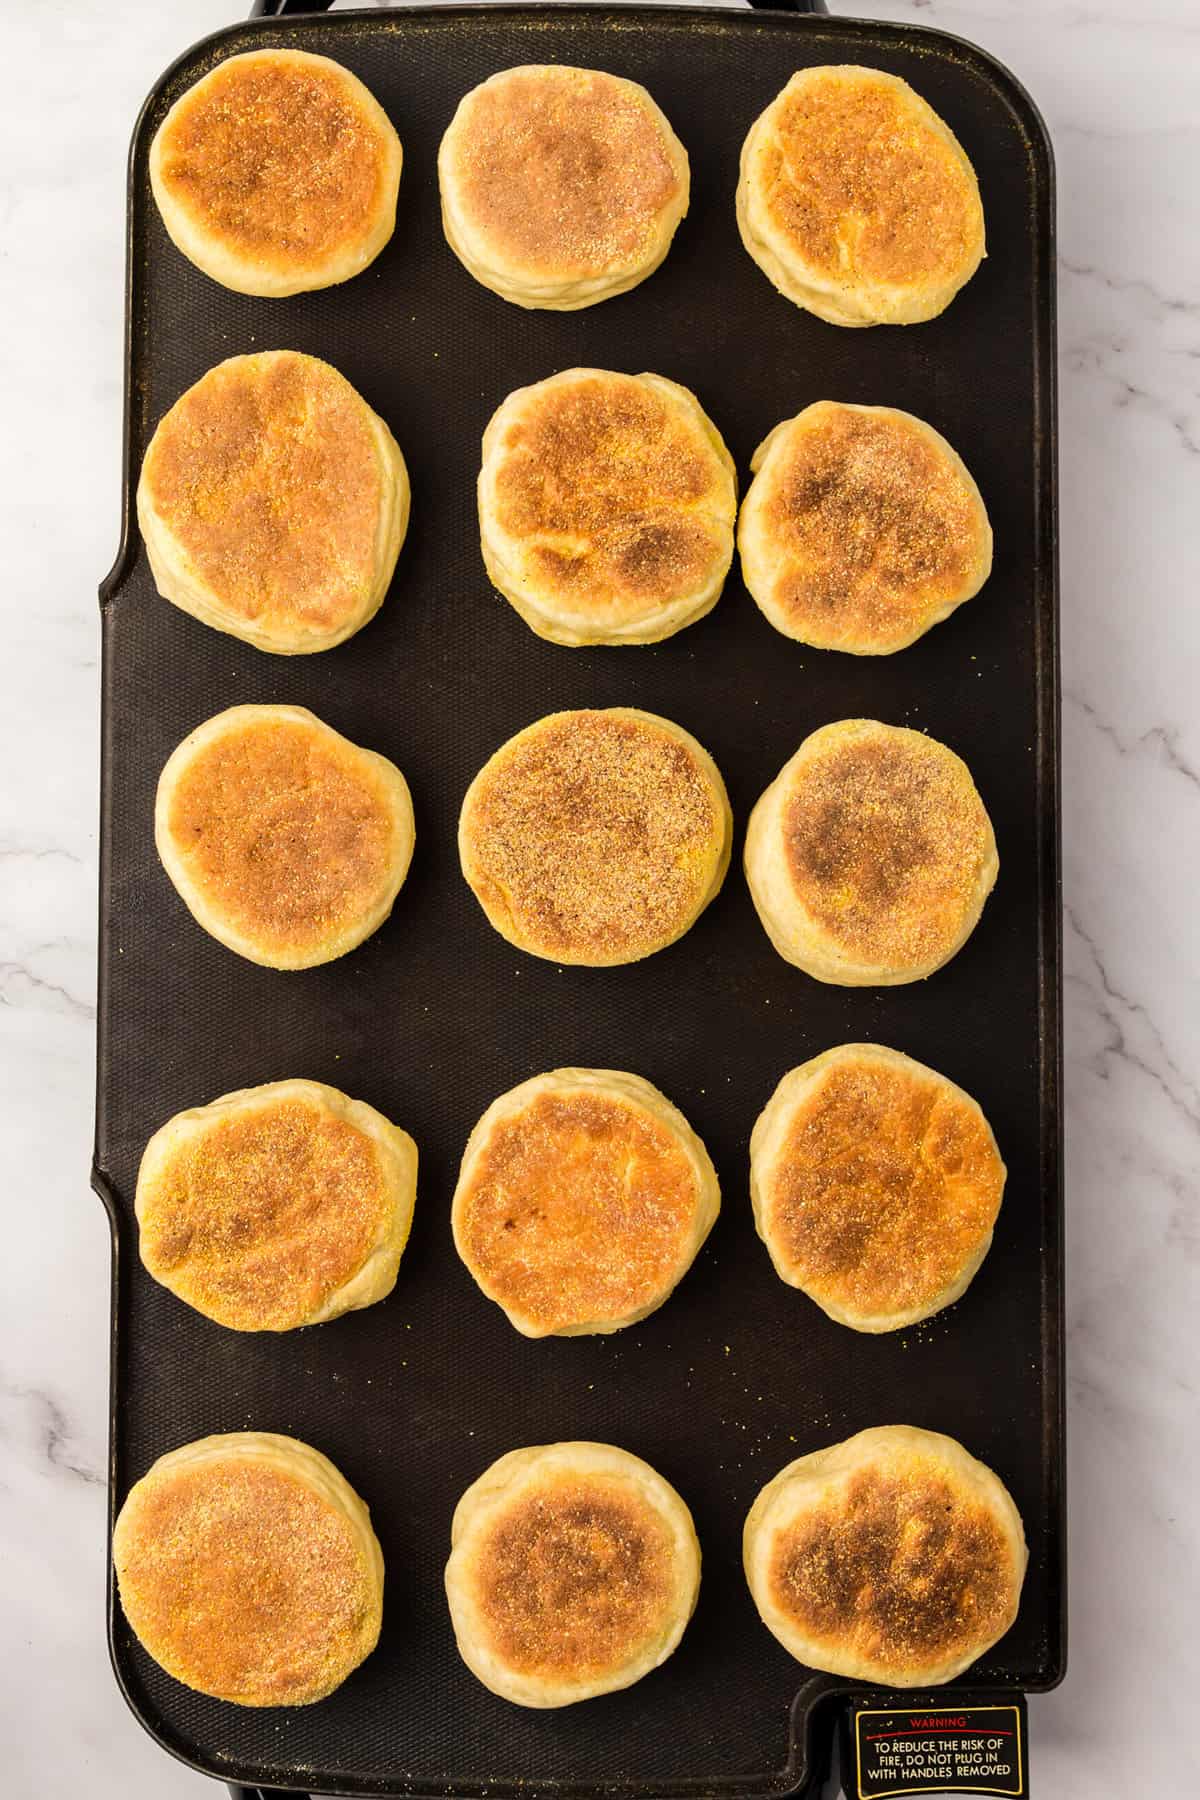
<point x="969" y="1750"/>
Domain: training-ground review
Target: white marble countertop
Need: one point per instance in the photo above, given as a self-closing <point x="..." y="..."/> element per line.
<point x="1118" y="84"/>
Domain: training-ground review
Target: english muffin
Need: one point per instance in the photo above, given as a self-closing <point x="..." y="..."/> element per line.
<point x="573" y="1571"/>
<point x="560" y="186"/>
<point x="870" y="855"/>
<point x="276" y="1206"/>
<point x="606" y="507"/>
<point x="277" y="172"/>
<point x="285" y="841"/>
<point x="248" y="1569"/>
<point x="857" y="201"/>
<point x="876" y="1183"/>
<point x="273" y="503"/>
<point x="583" y="1199"/>
<point x="894" y="1557"/>
<point x="861" y="529"/>
<point x="596" y="837"/>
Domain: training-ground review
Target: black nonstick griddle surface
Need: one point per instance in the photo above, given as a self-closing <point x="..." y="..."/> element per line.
<point x="436" y="1015"/>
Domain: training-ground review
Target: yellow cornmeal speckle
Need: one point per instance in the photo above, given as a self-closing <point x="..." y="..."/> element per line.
<point x="597" y="836"/>
<point x="885" y="839"/>
<point x="886" y="1185"/>
<point x="267" y="476"/>
<point x="275" y="159"/>
<point x="563" y="171"/>
<point x="907" y="1567"/>
<point x="574" y="1578"/>
<point x="863" y="185"/>
<point x="286" y="831"/>
<point x="256" y="1220"/>
<point x="609" y="496"/>
<point x="244" y="1583"/>
<point x="578" y="1208"/>
<point x="874" y="529"/>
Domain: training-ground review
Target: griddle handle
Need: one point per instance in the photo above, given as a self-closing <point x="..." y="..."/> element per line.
<point x="275" y="9"/>
<point x="244" y="1793"/>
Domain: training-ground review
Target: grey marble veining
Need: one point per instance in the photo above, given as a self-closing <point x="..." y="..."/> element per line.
<point x="1120" y="88"/>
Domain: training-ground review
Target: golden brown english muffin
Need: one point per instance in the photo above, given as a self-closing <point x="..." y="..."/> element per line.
<point x="277" y="172"/>
<point x="560" y="186"/>
<point x="583" y="1199"/>
<point x="894" y="1557"/>
<point x="573" y="1571"/>
<point x="596" y="837"/>
<point x="876" y="1183"/>
<point x="606" y="507"/>
<point x="285" y="841"/>
<point x="277" y="1206"/>
<point x="870" y="855"/>
<point x="861" y="529"/>
<point x="248" y="1569"/>
<point x="857" y="201"/>
<point x="273" y="503"/>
